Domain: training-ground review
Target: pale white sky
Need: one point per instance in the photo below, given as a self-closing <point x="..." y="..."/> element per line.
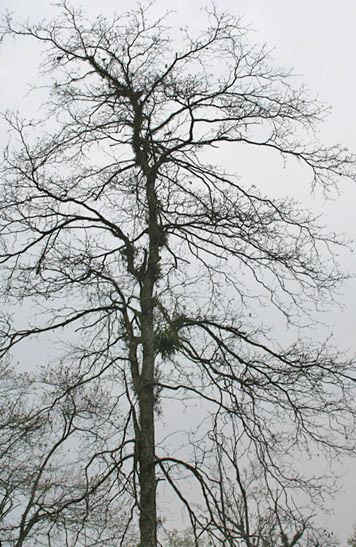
<point x="315" y="37"/>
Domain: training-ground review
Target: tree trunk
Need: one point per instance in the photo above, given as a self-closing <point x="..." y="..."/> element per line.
<point x="146" y="457"/>
<point x="146" y="441"/>
<point x="146" y="444"/>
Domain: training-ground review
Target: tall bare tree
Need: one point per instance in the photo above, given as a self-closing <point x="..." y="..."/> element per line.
<point x="157" y="267"/>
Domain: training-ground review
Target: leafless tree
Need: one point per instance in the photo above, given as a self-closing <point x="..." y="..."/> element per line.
<point x="59" y="476"/>
<point x="148" y="264"/>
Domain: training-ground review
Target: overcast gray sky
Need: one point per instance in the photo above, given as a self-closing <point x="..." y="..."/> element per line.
<point x="315" y="37"/>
